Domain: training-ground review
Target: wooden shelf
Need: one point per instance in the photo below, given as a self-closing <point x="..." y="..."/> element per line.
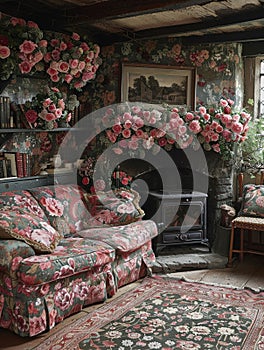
<point x="6" y="131"/>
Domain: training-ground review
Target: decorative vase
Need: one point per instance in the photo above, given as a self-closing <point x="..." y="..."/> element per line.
<point x="57" y="161"/>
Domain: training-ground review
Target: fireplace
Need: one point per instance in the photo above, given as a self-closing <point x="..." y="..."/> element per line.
<point x="181" y="217"/>
<point x="152" y="187"/>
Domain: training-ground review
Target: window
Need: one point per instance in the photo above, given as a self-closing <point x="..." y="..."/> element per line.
<point x="261" y="88"/>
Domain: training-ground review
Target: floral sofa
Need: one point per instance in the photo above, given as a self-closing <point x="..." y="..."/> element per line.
<point x="62" y="249"/>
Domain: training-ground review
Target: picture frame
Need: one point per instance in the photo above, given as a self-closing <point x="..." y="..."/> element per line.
<point x="159" y="84"/>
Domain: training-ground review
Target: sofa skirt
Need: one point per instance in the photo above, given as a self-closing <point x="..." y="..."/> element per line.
<point x="30" y="310"/>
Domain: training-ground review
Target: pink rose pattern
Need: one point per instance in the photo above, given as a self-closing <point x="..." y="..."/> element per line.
<point x="92" y="274"/>
<point x="253" y="201"/>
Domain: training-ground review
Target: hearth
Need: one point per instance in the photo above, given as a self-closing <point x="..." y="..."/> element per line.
<point x="181" y="217"/>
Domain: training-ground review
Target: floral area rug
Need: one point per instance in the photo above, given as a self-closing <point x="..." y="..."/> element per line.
<point x="166" y="314"/>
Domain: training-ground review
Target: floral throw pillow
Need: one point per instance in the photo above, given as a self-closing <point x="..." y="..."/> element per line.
<point x="16" y="200"/>
<point x="253" y="201"/>
<point x="64" y="207"/>
<point x="29" y="228"/>
<point x="117" y="207"/>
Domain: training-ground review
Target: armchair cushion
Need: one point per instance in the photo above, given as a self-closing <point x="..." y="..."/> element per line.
<point x="117" y="207"/>
<point x="252" y="201"/>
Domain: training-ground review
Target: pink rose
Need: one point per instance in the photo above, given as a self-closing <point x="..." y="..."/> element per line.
<point x="58" y="112"/>
<point x="216" y="148"/>
<point x="75" y="36"/>
<point x="195" y="126"/>
<point x="50" y="116"/>
<point x="47" y="57"/>
<point x="126" y="133"/>
<point x="123" y="143"/>
<point x="78" y="85"/>
<point x="138" y="122"/>
<point x="63" y="67"/>
<point x="27" y="47"/>
<point x="189" y="116"/>
<point x="51" y="71"/>
<point x="43" y="43"/>
<point x="14" y="21"/>
<point x="37" y="57"/>
<point x="31" y="116"/>
<point x="133" y="144"/>
<point x="207" y="117"/>
<point x="219" y="128"/>
<point x="202" y="110"/>
<point x="55" y="42"/>
<point x="223" y="103"/>
<point x="227" y="135"/>
<point x="54" y="207"/>
<point x="182" y="130"/>
<point x="74" y="63"/>
<point x="68" y="78"/>
<point x="25" y="67"/>
<point x="84" y="47"/>
<point x="63" y="46"/>
<point x="4" y="52"/>
<point x="52" y="107"/>
<point x="87" y="76"/>
<point x="55" y="54"/>
<point x="162" y="141"/>
<point x="81" y="66"/>
<point x="61" y="104"/>
<point x="117" y="150"/>
<point x="55" y="78"/>
<point x="237" y="128"/>
<point x="111" y="136"/>
<point x="117" y="128"/>
<point x="46" y="102"/>
<point x="32" y="24"/>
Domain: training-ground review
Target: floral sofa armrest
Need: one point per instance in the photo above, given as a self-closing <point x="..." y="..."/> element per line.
<point x="12" y="252"/>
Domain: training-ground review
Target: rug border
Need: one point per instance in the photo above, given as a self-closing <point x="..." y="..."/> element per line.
<point x="103" y="312"/>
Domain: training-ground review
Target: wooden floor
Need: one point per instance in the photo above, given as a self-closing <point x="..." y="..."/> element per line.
<point x="249" y="274"/>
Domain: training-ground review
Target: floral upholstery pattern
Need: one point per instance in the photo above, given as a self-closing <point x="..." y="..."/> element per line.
<point x="124" y="238"/>
<point x="32" y="309"/>
<point x="64" y="207"/>
<point x="11" y="250"/>
<point x="72" y="256"/>
<point x="21" y="200"/>
<point x="40" y="289"/>
<point x="29" y="228"/>
<point x="129" y="267"/>
<point x="117" y="207"/>
<point x="253" y="201"/>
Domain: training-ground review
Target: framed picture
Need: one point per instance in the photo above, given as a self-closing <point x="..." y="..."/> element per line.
<point x="158" y="84"/>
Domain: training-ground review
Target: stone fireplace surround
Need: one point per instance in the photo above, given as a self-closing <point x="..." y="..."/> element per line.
<point x="218" y="174"/>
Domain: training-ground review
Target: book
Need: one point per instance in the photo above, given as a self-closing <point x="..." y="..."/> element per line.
<point x="1" y="111"/>
<point x="19" y="164"/>
<point x="26" y="164"/>
<point x="3" y="173"/>
<point x="6" y="112"/>
<point x="11" y="164"/>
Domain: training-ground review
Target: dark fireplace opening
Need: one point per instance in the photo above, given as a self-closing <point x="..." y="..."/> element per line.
<point x="185" y="179"/>
<point x="170" y="199"/>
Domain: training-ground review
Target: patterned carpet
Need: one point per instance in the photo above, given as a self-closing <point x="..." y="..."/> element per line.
<point x="166" y="314"/>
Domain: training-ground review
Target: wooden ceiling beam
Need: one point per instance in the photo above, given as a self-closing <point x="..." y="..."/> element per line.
<point x="115" y="9"/>
<point x="211" y="23"/>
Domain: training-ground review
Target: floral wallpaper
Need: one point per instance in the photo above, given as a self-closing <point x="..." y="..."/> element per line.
<point x="219" y="75"/>
<point x="219" y="69"/>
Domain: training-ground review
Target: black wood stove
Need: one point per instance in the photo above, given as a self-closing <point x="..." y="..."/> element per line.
<point x="180" y="217"/>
